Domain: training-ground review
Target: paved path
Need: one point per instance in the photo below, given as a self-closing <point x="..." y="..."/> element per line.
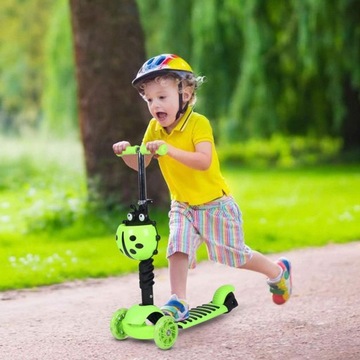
<point x="321" y="321"/>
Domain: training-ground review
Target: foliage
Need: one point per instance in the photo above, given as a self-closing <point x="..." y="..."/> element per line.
<point x="52" y="236"/>
<point x="287" y="68"/>
<point x="271" y="66"/>
<point x="23" y="24"/>
<point x="281" y="151"/>
<point x="36" y="67"/>
<point x="59" y="98"/>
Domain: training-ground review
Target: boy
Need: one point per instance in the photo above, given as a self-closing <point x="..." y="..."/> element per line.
<point x="202" y="208"/>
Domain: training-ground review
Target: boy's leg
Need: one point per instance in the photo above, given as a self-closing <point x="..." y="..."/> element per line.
<point x="178" y="268"/>
<point x="263" y="265"/>
<point x="181" y="254"/>
<point x="279" y="275"/>
<point x="177" y="307"/>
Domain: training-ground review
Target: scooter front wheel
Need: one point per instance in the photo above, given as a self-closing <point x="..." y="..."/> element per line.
<point x="165" y="332"/>
<point x="116" y="326"/>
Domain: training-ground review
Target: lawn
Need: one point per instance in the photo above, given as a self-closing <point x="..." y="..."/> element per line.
<point x="48" y="236"/>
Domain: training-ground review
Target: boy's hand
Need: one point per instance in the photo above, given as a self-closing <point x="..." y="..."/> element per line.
<point x="120" y="146"/>
<point x="153" y="146"/>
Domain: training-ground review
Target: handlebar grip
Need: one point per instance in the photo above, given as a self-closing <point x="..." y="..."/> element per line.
<point x="130" y="150"/>
<point x="162" y="150"/>
<point x="133" y="150"/>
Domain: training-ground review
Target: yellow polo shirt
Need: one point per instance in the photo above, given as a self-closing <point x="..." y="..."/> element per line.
<point x="185" y="184"/>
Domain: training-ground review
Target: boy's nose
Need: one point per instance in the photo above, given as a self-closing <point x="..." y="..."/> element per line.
<point x="155" y="104"/>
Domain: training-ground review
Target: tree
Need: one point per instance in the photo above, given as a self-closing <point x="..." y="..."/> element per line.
<point x="109" y="49"/>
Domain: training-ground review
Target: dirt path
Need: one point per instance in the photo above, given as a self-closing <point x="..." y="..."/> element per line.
<point x="322" y="320"/>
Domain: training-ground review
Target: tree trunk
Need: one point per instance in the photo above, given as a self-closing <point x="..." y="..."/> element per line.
<point x="109" y="49"/>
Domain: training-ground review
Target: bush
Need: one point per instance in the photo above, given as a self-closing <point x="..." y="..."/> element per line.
<point x="281" y="151"/>
<point x="53" y="211"/>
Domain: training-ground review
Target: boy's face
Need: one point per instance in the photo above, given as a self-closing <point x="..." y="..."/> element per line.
<point x="162" y="97"/>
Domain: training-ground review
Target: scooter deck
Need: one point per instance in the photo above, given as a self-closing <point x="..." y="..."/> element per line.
<point x="207" y="312"/>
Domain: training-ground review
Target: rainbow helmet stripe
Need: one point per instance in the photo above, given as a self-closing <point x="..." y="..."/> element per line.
<point x="160" y="64"/>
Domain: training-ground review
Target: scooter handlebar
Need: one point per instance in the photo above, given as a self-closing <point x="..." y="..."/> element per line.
<point x="133" y="150"/>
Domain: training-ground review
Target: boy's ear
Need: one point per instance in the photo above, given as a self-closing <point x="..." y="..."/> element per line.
<point x="187" y="93"/>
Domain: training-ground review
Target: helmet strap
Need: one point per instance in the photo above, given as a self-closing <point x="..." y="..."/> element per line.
<point x="181" y="109"/>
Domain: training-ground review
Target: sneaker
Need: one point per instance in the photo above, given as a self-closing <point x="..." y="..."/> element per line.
<point x="281" y="290"/>
<point x="176" y="308"/>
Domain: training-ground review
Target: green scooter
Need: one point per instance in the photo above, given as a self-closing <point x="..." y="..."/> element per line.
<point x="137" y="238"/>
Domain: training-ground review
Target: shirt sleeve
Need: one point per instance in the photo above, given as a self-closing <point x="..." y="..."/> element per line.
<point x="202" y="131"/>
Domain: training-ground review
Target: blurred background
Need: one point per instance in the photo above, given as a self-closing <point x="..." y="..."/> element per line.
<point x="282" y="94"/>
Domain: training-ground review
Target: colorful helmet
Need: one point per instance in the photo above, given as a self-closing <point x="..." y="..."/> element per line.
<point x="162" y="64"/>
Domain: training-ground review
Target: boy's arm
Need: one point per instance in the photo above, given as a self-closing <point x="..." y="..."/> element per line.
<point x="200" y="159"/>
<point x="132" y="161"/>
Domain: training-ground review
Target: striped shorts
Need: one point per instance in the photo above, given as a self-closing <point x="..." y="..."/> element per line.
<point x="218" y="224"/>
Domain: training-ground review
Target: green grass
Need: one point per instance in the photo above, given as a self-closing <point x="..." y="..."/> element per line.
<point x="48" y="235"/>
<point x="286" y="209"/>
